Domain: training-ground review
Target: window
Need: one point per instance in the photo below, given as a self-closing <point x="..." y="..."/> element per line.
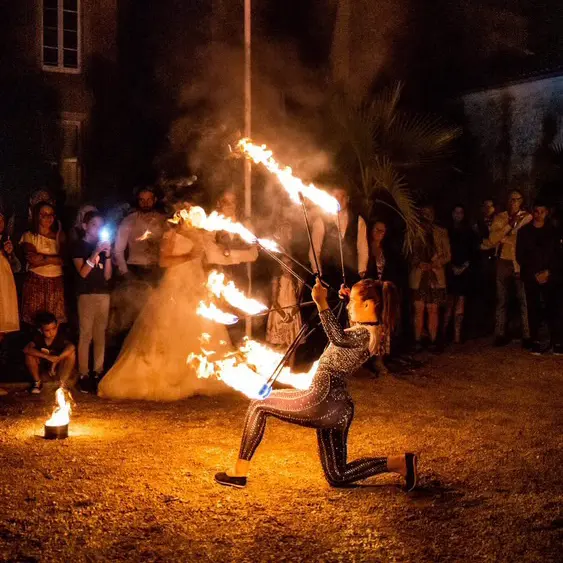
<point x="61" y="35"/>
<point x="70" y="164"/>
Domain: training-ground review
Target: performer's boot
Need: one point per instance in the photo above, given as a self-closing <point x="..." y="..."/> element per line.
<point x="228" y="481"/>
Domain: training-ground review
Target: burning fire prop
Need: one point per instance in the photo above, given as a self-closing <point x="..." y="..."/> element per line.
<point x="293" y="185"/>
<point x="213" y="313"/>
<point x="56" y="428"/>
<point x="228" y="291"/>
<point x="145" y="236"/>
<point x="196" y="217"/>
<point x="247" y="369"/>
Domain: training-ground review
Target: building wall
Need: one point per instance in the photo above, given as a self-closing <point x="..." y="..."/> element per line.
<point x="512" y="123"/>
<point x="53" y="113"/>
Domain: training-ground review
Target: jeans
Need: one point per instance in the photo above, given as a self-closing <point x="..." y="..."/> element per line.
<point x="505" y="278"/>
<point x="549" y="292"/>
<point x="93" y="313"/>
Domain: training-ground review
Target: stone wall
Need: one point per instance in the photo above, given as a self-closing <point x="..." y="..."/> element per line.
<point x="512" y="124"/>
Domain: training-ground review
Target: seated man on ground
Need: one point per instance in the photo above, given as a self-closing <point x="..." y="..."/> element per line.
<point x="49" y="352"/>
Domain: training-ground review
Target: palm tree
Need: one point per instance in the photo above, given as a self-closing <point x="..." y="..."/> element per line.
<point x="380" y="144"/>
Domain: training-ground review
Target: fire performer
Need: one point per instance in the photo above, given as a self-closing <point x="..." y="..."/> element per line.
<point x="326" y="405"/>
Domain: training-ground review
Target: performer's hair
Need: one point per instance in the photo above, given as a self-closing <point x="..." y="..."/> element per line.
<point x="385" y="297"/>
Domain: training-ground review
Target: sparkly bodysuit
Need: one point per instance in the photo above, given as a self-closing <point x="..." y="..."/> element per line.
<point x="326" y="406"/>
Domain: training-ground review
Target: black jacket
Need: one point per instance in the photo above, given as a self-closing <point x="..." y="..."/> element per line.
<point x="539" y="249"/>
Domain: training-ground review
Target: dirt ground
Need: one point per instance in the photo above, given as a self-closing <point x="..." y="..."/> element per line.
<point x="134" y="481"/>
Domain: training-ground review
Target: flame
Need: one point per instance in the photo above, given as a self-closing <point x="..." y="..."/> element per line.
<point x="228" y="291"/>
<point x="293" y="185"/>
<point x="247" y="369"/>
<point x="213" y="313"/>
<point x="61" y="414"/>
<point x="197" y="217"/>
<point x="145" y="235"/>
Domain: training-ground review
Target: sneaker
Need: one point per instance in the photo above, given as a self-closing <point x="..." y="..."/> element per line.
<point x="36" y="388"/>
<point x="558" y="350"/>
<point x="228" y="481"/>
<point x="501" y="341"/>
<point x="527" y="343"/>
<point x="536" y="349"/>
<point x="417" y="347"/>
<point x="435" y="348"/>
<point x="412" y="471"/>
<point x="84" y="384"/>
<point x="96" y="378"/>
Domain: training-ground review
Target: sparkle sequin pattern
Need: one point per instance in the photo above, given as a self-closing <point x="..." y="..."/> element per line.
<point x="325" y="406"/>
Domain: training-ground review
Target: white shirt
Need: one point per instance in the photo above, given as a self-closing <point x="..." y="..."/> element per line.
<point x="362" y="245"/>
<point x="47" y="246"/>
<point x="141" y="252"/>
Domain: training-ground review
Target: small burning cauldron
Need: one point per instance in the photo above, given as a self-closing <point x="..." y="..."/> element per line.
<point x="56" y="432"/>
<point x="56" y="428"/>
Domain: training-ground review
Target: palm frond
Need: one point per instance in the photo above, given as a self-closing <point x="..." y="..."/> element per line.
<point x="384" y="177"/>
<point x="418" y="139"/>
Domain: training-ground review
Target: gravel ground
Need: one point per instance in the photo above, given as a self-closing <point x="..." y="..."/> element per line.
<point x="134" y="481"/>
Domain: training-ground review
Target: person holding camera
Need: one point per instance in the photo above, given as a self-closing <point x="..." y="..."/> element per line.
<point x="92" y="260"/>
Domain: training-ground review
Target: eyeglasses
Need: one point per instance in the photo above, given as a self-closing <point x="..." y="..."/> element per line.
<point x="45" y="215"/>
<point x="516" y="199"/>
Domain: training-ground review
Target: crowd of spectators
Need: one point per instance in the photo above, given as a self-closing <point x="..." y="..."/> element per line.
<point x="481" y="267"/>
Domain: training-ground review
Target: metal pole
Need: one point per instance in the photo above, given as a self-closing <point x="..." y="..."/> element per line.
<point x="248" y="133"/>
<point x="340" y="244"/>
<point x="315" y="258"/>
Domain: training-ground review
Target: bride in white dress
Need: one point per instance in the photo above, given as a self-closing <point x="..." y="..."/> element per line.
<point x="152" y="363"/>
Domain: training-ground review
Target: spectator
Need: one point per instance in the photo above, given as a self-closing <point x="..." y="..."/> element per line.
<point x="233" y="252"/>
<point x="92" y="261"/>
<point x="502" y="238"/>
<point x="76" y="232"/>
<point x="428" y="277"/>
<point x="383" y="264"/>
<point x="284" y="324"/>
<point x="462" y="245"/>
<point x="49" y="351"/>
<point x="9" y="264"/>
<point x="486" y="272"/>
<point x="140" y="234"/>
<point x="538" y="251"/>
<point x="43" y="287"/>
<point x="326" y="242"/>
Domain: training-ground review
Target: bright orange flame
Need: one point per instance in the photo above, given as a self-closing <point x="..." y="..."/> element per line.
<point x="293" y="185"/>
<point x="197" y="217"/>
<point x="213" y="313"/>
<point x="61" y="414"/>
<point x="228" y="291"/>
<point x="248" y="369"/>
<point x="145" y="235"/>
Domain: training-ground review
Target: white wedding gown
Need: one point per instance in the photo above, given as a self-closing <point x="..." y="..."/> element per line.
<point x="152" y="363"/>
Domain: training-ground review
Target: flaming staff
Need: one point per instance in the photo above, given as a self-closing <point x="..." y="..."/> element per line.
<point x="196" y="217"/>
<point x="297" y="191"/>
<point x="293" y="185"/>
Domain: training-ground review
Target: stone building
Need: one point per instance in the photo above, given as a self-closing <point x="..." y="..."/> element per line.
<point x="58" y="74"/>
<point x="515" y="125"/>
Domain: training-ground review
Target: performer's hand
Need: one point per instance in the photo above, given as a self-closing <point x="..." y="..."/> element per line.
<point x="344" y="292"/>
<point x="319" y="294"/>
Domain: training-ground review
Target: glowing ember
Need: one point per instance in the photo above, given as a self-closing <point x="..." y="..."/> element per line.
<point x="61" y="414"/>
<point x="228" y="291"/>
<point x="197" y="217"/>
<point x="145" y="235"/>
<point x="213" y="313"/>
<point x="293" y="185"/>
<point x="247" y="369"/>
